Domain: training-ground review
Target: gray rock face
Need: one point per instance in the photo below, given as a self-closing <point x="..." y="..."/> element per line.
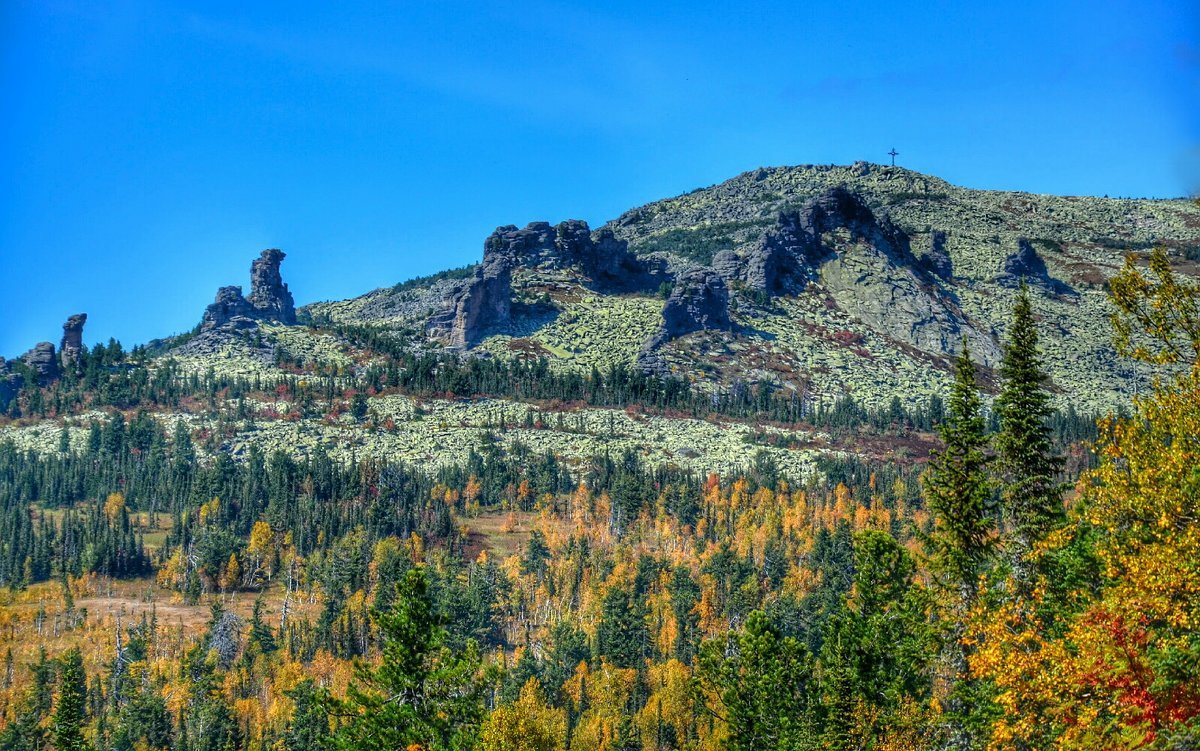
<point x="70" y="350"/>
<point x="779" y="263"/>
<point x="269" y="296"/>
<point x="727" y="265"/>
<point x="41" y="360"/>
<point x="863" y="261"/>
<point x="229" y="311"/>
<point x="571" y="244"/>
<point x="10" y="384"/>
<point x="607" y="260"/>
<point x="481" y="304"/>
<point x="1028" y="265"/>
<point x="838" y="208"/>
<point x="867" y="266"/>
<point x="698" y="301"/>
<point x="532" y="246"/>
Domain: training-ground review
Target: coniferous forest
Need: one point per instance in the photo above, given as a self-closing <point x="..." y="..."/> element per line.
<point x="1031" y="583"/>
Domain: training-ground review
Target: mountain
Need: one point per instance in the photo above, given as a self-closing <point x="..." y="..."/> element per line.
<point x="859" y="280"/>
<point x="802" y="285"/>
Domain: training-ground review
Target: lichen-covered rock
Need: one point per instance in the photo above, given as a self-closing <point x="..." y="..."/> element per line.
<point x="867" y="266"/>
<point x="699" y="300"/>
<point x="42" y="361"/>
<point x="70" y="350"/>
<point x="269" y="296"/>
<point x="601" y="257"/>
<point x="779" y="263"/>
<point x="727" y="265"/>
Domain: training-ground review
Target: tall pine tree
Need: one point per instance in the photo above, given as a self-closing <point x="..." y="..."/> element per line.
<point x="72" y="703"/>
<point x="959" y="492"/>
<point x="1027" y="463"/>
<point x="421" y="694"/>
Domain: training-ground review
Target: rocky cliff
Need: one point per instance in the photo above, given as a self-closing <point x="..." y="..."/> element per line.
<point x="480" y="304"/>
<point x="1026" y="265"/>
<point x="867" y="266"/>
<point x="600" y="256"/>
<point x="269" y="296"/>
<point x="43" y="362"/>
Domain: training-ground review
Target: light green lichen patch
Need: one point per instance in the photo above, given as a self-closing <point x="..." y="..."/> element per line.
<point x="310" y="347"/>
<point x="590" y="331"/>
<point x="435" y="433"/>
<point x="444" y="432"/>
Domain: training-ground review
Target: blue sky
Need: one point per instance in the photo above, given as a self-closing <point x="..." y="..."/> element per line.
<point x="148" y="151"/>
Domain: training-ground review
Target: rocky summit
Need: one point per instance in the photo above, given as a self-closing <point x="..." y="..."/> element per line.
<point x="859" y="280"/>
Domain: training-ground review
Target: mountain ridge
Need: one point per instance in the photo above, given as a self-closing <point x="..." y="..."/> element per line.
<point x="855" y="280"/>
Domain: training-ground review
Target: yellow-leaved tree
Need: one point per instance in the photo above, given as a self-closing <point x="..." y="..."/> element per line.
<point x="1118" y="667"/>
<point x="528" y="724"/>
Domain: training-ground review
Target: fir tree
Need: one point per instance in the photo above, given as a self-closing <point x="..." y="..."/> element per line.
<point x="72" y="703"/>
<point x="420" y="694"/>
<point x="1028" y="464"/>
<point x="958" y="489"/>
<point x="960" y="496"/>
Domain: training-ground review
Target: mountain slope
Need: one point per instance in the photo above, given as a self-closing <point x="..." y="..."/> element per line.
<point x="893" y="290"/>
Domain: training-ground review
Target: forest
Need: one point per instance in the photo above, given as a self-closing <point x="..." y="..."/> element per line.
<point x="1033" y="584"/>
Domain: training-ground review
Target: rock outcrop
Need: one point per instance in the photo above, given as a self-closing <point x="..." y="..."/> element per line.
<point x="608" y="262"/>
<point x="727" y="265"/>
<point x="698" y="301"/>
<point x="937" y="259"/>
<point x="230" y="311"/>
<point x="269" y="296"/>
<point x="483" y="302"/>
<point x="70" y="350"/>
<point x="601" y="257"/>
<point x="532" y="246"/>
<point x="779" y="264"/>
<point x="269" y="300"/>
<point x="1028" y="265"/>
<point x="867" y="266"/>
<point x="10" y="384"/>
<point x="481" y="305"/>
<point x="863" y="261"/>
<point x="42" y="361"/>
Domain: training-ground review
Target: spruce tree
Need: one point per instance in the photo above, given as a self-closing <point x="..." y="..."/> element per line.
<point x="1028" y="465"/>
<point x="72" y="702"/>
<point x="958" y="489"/>
<point x="421" y="693"/>
<point x="959" y="493"/>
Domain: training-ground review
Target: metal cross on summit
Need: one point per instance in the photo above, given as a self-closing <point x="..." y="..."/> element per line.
<point x="893" y="154"/>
